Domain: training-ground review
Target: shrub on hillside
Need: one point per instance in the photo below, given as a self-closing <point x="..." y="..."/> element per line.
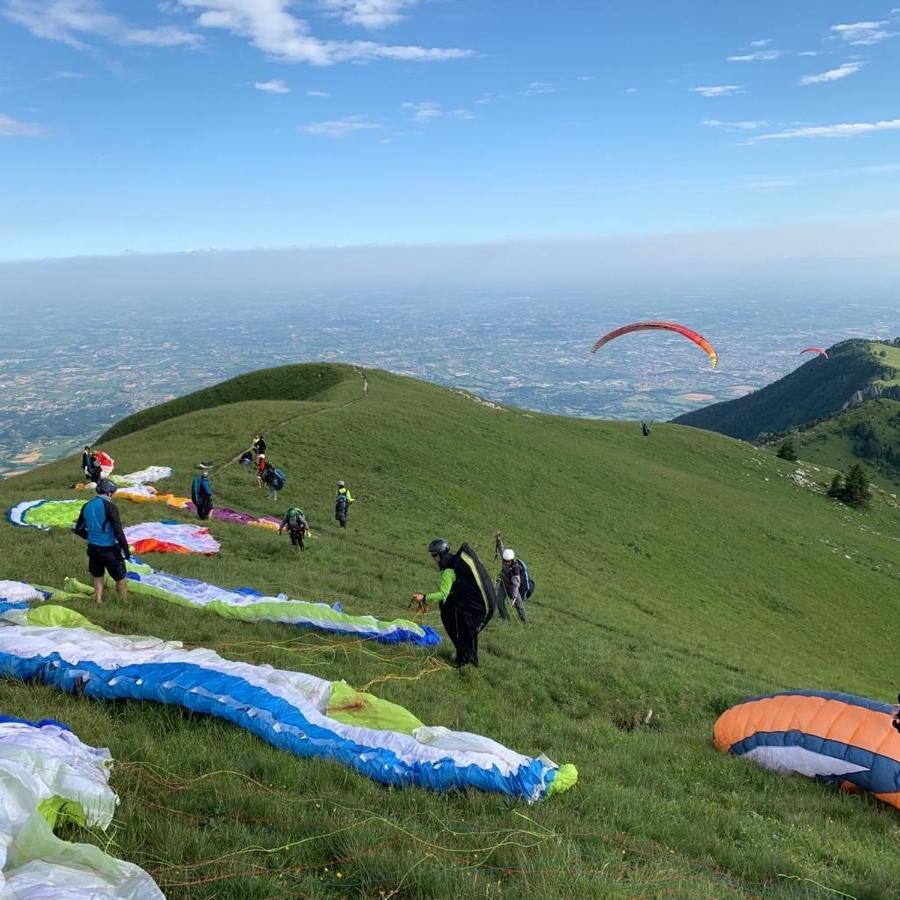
<point x="787" y="451"/>
<point x="853" y="489"/>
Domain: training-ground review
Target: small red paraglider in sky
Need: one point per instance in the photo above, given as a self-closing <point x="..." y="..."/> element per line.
<point x="818" y="350"/>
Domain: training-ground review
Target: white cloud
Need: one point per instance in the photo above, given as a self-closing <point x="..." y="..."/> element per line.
<point x="842" y="71"/>
<point x="828" y="131"/>
<point x="810" y="53"/>
<point x="771" y="184"/>
<point x="71" y="21"/>
<point x="746" y="125"/>
<point x="631" y="90"/>
<point x="761" y="43"/>
<point x="424" y="111"/>
<point x="66" y="75"/>
<point x="717" y="90"/>
<point x="541" y="87"/>
<point x="13" y="128"/>
<point x="317" y="94"/>
<point x="340" y="128"/>
<point x="275" y="86"/>
<point x="427" y="110"/>
<point x="757" y="56"/>
<point x="369" y="13"/>
<point x="273" y="29"/>
<point x="863" y="33"/>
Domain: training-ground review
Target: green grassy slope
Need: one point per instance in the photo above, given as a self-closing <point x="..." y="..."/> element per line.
<point x="677" y="573"/>
<point x="837" y="442"/>
<point x="312" y="382"/>
<point x="816" y="389"/>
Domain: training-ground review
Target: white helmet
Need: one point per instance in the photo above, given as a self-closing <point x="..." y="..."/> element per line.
<point x="508" y="555"/>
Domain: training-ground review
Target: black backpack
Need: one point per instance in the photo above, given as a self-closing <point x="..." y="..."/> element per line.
<point x="527" y="582"/>
<point x="484" y="582"/>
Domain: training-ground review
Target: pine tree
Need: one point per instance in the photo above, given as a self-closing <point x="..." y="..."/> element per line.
<point x="837" y="487"/>
<point x="856" y="487"/>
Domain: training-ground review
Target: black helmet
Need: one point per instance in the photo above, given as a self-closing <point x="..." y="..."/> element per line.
<point x="105" y="486"/>
<point x="440" y="546"/>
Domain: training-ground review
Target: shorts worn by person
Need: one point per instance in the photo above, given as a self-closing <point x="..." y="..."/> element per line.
<point x="107" y="549"/>
<point x="465" y="597"/>
<point x="297" y="527"/>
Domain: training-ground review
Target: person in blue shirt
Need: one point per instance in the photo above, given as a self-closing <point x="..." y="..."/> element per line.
<point x="99" y="524"/>
<point x="201" y="492"/>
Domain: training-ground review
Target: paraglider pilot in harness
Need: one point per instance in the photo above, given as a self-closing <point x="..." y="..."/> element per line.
<point x="99" y="524"/>
<point x="342" y="502"/>
<point x="201" y="492"/>
<point x="510" y="584"/>
<point x="466" y="598"/>
<point x="297" y="527"/>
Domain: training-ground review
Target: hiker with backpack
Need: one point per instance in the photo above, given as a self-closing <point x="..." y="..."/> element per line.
<point x="107" y="549"/>
<point x="202" y="493"/>
<point x="465" y="597"/>
<point x="259" y="448"/>
<point x="297" y="526"/>
<point x="513" y="581"/>
<point x="342" y="502"/>
<point x="273" y="478"/>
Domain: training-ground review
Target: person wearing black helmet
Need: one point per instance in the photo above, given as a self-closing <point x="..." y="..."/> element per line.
<point x="99" y="524"/>
<point x="466" y="598"/>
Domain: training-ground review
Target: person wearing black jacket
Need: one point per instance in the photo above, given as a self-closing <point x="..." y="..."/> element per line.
<point x="202" y="493"/>
<point x="465" y="597"/>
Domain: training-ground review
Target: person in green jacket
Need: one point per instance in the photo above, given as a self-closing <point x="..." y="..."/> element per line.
<point x="465" y="597"/>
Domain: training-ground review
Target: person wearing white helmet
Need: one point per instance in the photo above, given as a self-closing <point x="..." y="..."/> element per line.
<point x="509" y="582"/>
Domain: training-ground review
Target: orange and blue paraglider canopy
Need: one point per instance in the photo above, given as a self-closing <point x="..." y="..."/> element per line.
<point x="698" y="339"/>
<point x="818" y="350"/>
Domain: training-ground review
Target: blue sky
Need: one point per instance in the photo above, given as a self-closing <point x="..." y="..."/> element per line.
<point x="166" y="126"/>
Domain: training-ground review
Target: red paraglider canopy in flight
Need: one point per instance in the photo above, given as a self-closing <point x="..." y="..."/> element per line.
<point x="818" y="350"/>
<point x="698" y="339"/>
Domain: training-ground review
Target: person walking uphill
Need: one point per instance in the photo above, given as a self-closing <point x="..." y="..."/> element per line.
<point x="99" y="524"/>
<point x="202" y="492"/>
<point x="465" y="597"/>
<point x="259" y="448"/>
<point x="509" y="582"/>
<point x="342" y="502"/>
<point x="297" y="527"/>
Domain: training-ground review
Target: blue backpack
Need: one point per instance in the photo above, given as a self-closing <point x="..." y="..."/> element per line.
<point x="279" y="480"/>
<point x="527" y="587"/>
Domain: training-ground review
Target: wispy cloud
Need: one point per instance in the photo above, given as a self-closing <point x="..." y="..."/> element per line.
<point x="864" y="33"/>
<point x="631" y="90"/>
<point x="541" y="87"/>
<point x="810" y="53"/>
<point x="757" y="56"/>
<point x="272" y="28"/>
<point x="340" y="128"/>
<point x="829" y="131"/>
<point x="427" y="110"/>
<point x="770" y="184"/>
<point x="717" y="90"/>
<point x="275" y="86"/>
<point x="71" y="22"/>
<point x="842" y="71"/>
<point x="369" y="13"/>
<point x="13" y="128"/>
<point x="317" y="94"/>
<point x="747" y="125"/>
<point x="67" y="75"/>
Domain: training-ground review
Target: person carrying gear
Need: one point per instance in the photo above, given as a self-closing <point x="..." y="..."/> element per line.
<point x="259" y="448"/>
<point x="509" y="581"/>
<point x="99" y="524"/>
<point x="91" y="465"/>
<point x="342" y="502"/>
<point x="202" y="493"/>
<point x="466" y="598"/>
<point x="646" y="429"/>
<point x="297" y="526"/>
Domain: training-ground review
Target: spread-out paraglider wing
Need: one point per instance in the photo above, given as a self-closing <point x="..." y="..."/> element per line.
<point x="818" y="350"/>
<point x="698" y="339"/>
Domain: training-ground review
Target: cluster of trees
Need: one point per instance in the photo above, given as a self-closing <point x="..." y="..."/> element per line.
<point x="852" y="488"/>
<point x="868" y="445"/>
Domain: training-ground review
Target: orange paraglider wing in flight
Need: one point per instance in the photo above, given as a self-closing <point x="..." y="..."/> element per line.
<point x="698" y="339"/>
<point x="818" y="350"/>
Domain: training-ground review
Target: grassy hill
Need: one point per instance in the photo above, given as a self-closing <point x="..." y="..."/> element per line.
<point x="678" y="573"/>
<point x="868" y="434"/>
<point x="856" y="370"/>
